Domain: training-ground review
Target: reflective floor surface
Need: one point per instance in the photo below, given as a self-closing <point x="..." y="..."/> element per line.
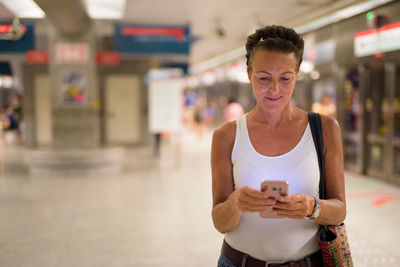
<point x="156" y="213"/>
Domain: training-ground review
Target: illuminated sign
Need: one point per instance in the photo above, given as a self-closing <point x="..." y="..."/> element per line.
<point x="6" y="29"/>
<point x="178" y="33"/>
<point x="108" y="58"/>
<point x="37" y="57"/>
<point x="16" y="37"/>
<point x="383" y="39"/>
<point x="72" y="53"/>
<point x="105" y="58"/>
<point x="154" y="39"/>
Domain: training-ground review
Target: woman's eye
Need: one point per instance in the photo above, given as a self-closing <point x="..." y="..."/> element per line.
<point x="285" y="79"/>
<point x="264" y="79"/>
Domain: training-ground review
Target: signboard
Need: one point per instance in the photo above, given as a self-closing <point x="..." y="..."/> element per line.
<point x="72" y="53"/>
<point x="6" y="31"/>
<point x="320" y="53"/>
<point x="37" y="57"/>
<point x="384" y="39"/>
<point x="165" y="104"/>
<point x="41" y="57"/>
<point x="152" y="39"/>
<point x="109" y="58"/>
<point x="16" y="38"/>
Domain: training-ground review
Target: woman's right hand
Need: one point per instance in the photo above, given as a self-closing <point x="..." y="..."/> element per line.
<point x="248" y="199"/>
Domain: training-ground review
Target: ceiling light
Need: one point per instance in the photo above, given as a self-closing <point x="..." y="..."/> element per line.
<point x="306" y="66"/>
<point x="24" y="8"/>
<point x="106" y="9"/>
<point x="315" y="75"/>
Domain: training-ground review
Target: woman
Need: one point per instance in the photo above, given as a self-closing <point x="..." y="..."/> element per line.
<point x="274" y="142"/>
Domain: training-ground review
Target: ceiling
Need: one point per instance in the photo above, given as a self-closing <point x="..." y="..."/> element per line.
<point x="221" y="25"/>
<point x="236" y="18"/>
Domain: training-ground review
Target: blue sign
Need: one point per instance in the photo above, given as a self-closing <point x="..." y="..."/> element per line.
<point x="139" y="39"/>
<point x="10" y="41"/>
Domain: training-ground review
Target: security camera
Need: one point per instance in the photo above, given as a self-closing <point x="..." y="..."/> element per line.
<point x="17" y="30"/>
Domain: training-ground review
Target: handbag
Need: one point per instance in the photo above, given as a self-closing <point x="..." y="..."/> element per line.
<point x="332" y="239"/>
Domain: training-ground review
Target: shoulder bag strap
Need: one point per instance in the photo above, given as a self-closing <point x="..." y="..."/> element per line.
<point x="316" y="130"/>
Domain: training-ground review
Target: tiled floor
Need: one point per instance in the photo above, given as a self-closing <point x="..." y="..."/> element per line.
<point x="156" y="213"/>
<point x="373" y="221"/>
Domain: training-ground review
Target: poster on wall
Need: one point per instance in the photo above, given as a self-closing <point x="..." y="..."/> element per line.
<point x="73" y="87"/>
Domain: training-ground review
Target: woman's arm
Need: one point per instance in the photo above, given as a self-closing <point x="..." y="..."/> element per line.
<point x="228" y="204"/>
<point x="333" y="208"/>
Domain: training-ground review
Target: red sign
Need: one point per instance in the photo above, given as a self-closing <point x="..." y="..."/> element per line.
<point x="6" y="28"/>
<point x="153" y="31"/>
<point x="37" y="57"/>
<point x="109" y="58"/>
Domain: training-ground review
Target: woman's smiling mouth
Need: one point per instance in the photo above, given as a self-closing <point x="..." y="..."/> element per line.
<point x="273" y="99"/>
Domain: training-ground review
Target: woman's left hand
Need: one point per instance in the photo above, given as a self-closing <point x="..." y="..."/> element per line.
<point x="296" y="206"/>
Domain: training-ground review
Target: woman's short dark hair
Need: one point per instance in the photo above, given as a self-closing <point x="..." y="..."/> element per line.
<point x="275" y="38"/>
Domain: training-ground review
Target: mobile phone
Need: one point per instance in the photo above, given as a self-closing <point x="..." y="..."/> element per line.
<point x="275" y="190"/>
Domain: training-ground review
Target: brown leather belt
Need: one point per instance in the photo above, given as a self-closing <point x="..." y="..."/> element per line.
<point x="314" y="260"/>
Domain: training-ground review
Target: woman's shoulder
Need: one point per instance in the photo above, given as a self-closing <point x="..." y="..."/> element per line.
<point x="225" y="133"/>
<point x="329" y="123"/>
<point x="330" y="131"/>
<point x="226" y="129"/>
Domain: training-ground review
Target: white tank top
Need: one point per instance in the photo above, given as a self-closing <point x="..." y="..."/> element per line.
<point x="274" y="239"/>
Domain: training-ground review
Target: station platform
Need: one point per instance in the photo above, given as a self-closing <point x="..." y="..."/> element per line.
<point x="157" y="212"/>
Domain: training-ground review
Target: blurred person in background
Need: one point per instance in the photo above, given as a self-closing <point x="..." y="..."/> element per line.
<point x="14" y="123"/>
<point x="16" y="106"/>
<point x="199" y="116"/>
<point x="12" y="128"/>
<point x="325" y="106"/>
<point x="18" y="112"/>
<point x="189" y="108"/>
<point x="233" y="110"/>
<point x="4" y="121"/>
<point x="274" y="142"/>
<point x="220" y="103"/>
<point x="8" y="112"/>
<point x="209" y="113"/>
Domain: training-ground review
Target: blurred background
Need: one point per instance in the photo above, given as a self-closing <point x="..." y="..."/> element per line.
<point x="107" y="110"/>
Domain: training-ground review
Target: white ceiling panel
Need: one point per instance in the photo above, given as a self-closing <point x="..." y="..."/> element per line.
<point x="23" y="8"/>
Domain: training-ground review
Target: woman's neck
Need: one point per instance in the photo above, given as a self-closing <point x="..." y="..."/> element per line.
<point x="274" y="118"/>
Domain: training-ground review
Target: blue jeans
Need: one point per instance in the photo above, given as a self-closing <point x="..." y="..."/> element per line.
<point x="225" y="262"/>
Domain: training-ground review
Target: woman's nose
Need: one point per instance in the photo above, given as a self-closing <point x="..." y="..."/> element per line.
<point x="274" y="86"/>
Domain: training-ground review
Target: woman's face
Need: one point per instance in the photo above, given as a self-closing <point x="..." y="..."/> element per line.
<point x="273" y="76"/>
